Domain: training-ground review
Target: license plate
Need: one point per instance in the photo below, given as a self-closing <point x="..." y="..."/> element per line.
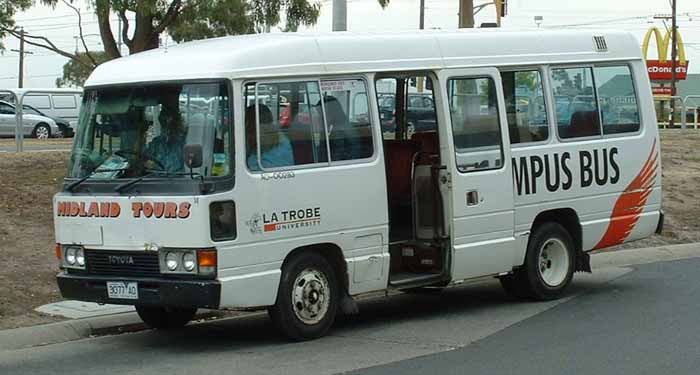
<point x="122" y="290"/>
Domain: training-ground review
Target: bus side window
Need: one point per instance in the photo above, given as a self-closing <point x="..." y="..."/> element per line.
<point x="347" y="119"/>
<point x="291" y="128"/>
<point x="475" y="124"/>
<point x="617" y="98"/>
<point x="578" y="116"/>
<point x="525" y="106"/>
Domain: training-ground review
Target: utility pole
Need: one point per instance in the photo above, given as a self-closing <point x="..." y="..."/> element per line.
<point x="466" y="14"/>
<point x="421" y="23"/>
<point x="671" y="122"/>
<point x="420" y="81"/>
<point x="340" y="15"/>
<point x="22" y="52"/>
<point x="499" y="11"/>
<point x="119" y="40"/>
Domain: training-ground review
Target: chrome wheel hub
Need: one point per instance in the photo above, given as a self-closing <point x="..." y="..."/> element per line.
<point x="310" y="296"/>
<point x="42" y="133"/>
<point x="553" y="262"/>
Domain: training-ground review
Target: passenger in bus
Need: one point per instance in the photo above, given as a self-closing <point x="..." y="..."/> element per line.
<point x="344" y="139"/>
<point x="276" y="149"/>
<point x="165" y="151"/>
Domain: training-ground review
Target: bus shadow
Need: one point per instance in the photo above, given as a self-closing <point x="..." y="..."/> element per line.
<point x="252" y="333"/>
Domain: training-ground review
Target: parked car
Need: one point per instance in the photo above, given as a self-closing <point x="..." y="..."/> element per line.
<point x="65" y="127"/>
<point x="420" y="114"/>
<point x="54" y="102"/>
<point x="36" y="126"/>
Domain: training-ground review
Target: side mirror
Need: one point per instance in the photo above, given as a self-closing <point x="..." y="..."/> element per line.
<point x="193" y="155"/>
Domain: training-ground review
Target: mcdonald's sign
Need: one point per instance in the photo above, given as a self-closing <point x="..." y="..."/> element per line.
<point x="661" y="69"/>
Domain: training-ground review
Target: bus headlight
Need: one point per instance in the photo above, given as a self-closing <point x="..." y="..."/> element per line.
<point x="193" y="262"/>
<point x="80" y="257"/>
<point x="171" y="261"/>
<point x="71" y="255"/>
<point x="189" y="261"/>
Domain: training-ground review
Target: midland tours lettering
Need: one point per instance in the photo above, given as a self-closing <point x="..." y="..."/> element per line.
<point x="166" y="210"/>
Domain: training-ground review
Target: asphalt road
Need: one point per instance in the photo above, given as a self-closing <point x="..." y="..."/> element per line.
<point x="618" y="321"/>
<point x="644" y="323"/>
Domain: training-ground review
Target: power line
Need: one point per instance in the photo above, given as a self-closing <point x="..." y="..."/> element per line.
<point x="35" y="76"/>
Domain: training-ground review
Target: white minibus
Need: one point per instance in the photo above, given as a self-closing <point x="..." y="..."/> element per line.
<point x="280" y="194"/>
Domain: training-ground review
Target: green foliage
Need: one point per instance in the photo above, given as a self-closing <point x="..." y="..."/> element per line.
<point x="267" y="13"/>
<point x="211" y="19"/>
<point x="75" y="73"/>
<point x="8" y="8"/>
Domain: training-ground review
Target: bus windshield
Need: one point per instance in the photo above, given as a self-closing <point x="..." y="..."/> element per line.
<point x="141" y="131"/>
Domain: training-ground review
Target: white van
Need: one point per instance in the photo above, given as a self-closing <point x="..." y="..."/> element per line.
<point x="54" y="102"/>
<point x="224" y="207"/>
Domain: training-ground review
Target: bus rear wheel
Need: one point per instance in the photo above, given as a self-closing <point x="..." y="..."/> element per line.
<point x="549" y="265"/>
<point x="165" y="317"/>
<point x="307" y="299"/>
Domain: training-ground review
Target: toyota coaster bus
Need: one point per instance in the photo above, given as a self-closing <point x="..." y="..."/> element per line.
<point x="225" y="174"/>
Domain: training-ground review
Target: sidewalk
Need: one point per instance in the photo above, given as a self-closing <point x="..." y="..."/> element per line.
<point x="76" y="329"/>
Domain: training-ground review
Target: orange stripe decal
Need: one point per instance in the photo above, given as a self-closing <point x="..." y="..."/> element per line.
<point x="628" y="207"/>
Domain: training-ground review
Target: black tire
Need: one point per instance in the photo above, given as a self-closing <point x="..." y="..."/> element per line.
<point x="283" y="312"/>
<point x="165" y="317"/>
<point x="530" y="278"/>
<point x="39" y="127"/>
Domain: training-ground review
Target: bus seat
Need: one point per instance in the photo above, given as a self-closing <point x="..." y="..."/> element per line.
<point x="302" y="144"/>
<point x="584" y="124"/>
<point x="398" y="155"/>
<point x="428" y="145"/>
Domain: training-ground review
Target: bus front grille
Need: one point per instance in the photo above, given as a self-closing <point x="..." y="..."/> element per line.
<point x="122" y="263"/>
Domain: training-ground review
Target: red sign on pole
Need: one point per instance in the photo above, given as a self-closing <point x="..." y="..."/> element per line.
<point x="661" y="71"/>
<point x="662" y="91"/>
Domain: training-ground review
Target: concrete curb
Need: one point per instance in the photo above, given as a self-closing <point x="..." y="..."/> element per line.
<point x="54" y="333"/>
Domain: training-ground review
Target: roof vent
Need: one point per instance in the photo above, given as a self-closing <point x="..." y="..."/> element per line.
<point x="600" y="44"/>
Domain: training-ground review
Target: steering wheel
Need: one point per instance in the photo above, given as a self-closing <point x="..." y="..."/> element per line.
<point x="126" y="153"/>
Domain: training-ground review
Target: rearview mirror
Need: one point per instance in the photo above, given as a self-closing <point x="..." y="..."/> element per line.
<point x="193" y="155"/>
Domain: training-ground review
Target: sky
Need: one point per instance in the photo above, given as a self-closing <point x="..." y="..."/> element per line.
<point x="60" y="25"/>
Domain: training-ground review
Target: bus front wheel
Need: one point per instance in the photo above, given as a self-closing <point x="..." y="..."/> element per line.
<point x="307" y="299"/>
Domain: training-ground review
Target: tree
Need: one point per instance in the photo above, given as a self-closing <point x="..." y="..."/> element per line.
<point x="184" y="19"/>
<point x="7" y="12"/>
<point x="75" y="74"/>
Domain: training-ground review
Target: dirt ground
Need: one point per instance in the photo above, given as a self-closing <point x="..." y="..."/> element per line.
<point x="10" y="142"/>
<point x="29" y="180"/>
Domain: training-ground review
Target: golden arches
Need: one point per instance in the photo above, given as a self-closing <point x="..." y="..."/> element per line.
<point x="662" y="44"/>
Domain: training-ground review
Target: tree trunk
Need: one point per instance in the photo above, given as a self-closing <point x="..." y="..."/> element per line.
<point x="144" y="36"/>
<point x="110" y="45"/>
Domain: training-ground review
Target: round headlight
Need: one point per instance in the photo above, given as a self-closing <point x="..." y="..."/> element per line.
<point x="80" y="257"/>
<point x="70" y="255"/>
<point x="189" y="261"/>
<point x="171" y="261"/>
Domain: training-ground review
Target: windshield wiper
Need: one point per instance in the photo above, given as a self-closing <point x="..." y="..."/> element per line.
<point x="121" y="187"/>
<point x="151" y="172"/>
<point x="74" y="184"/>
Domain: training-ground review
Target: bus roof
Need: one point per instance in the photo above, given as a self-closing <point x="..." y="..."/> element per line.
<point x="277" y="54"/>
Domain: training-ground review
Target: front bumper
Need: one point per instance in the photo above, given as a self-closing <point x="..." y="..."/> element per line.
<point x="151" y="291"/>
